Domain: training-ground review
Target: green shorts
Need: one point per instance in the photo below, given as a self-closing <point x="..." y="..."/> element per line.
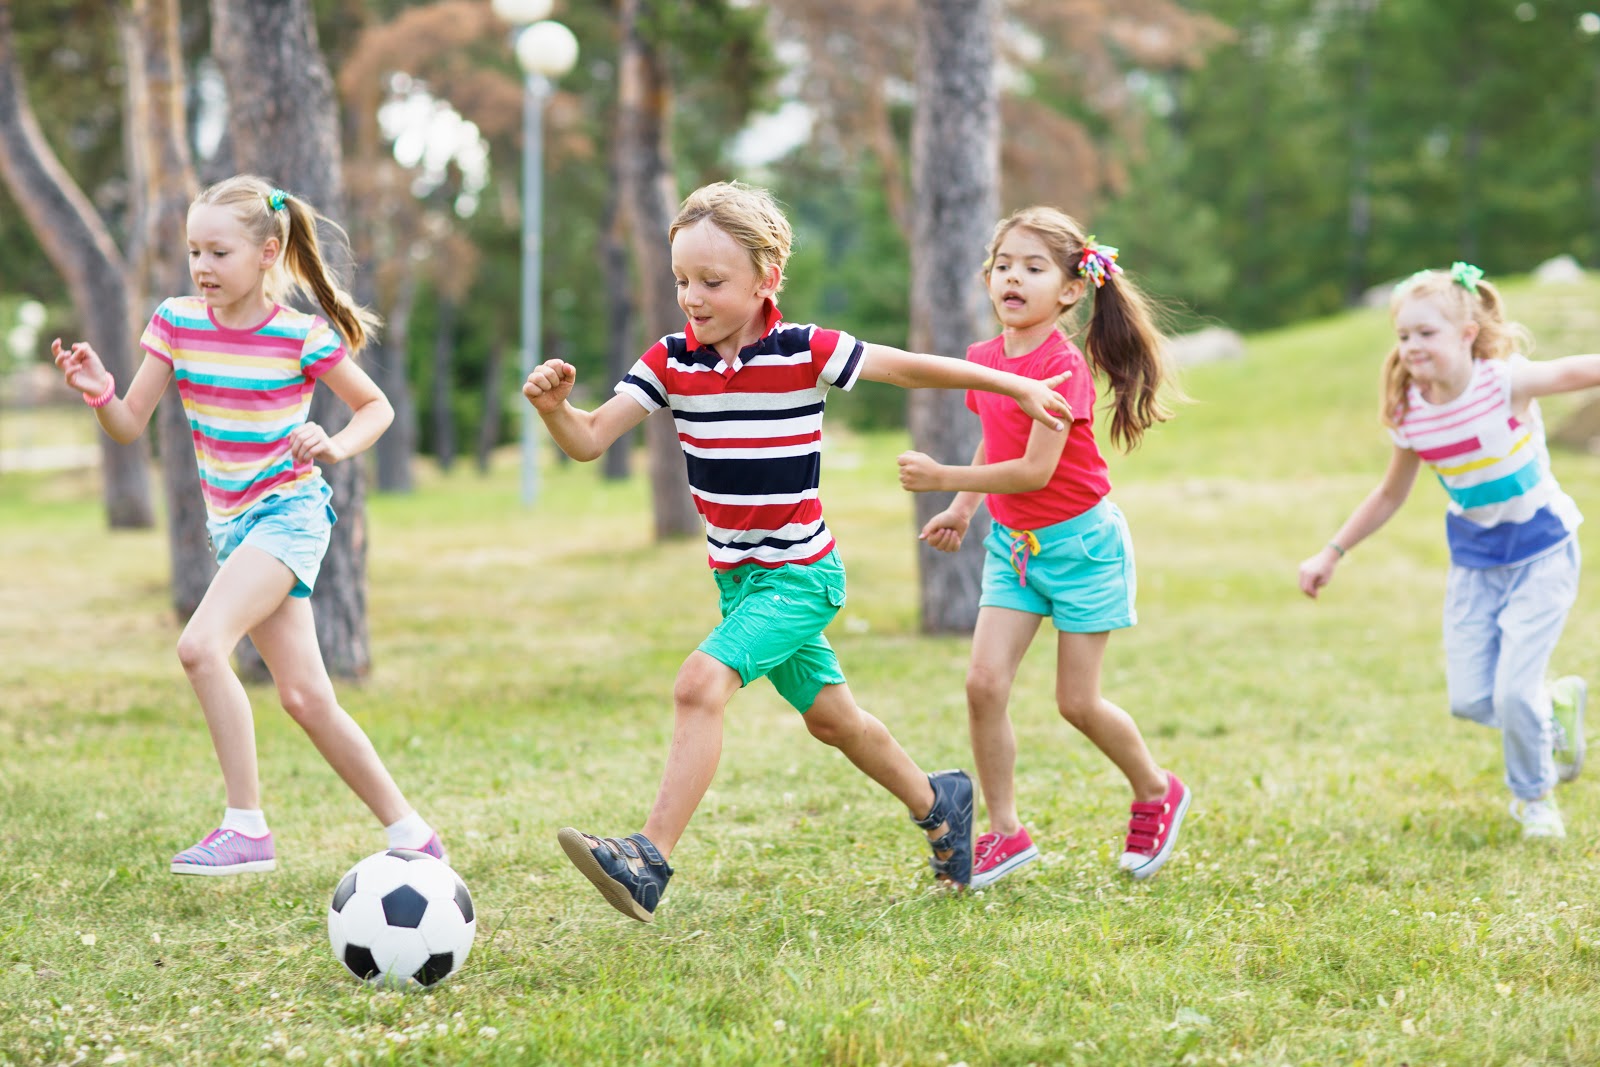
<point x="772" y="623"/>
<point x="1079" y="572"/>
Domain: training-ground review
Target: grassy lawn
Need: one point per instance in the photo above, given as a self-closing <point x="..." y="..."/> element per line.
<point x="1349" y="888"/>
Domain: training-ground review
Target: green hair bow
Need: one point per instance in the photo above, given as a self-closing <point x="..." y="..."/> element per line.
<point x="276" y="199"/>
<point x="1466" y="275"/>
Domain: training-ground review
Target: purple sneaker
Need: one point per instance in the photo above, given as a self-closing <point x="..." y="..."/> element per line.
<point x="435" y="848"/>
<point x="226" y="852"/>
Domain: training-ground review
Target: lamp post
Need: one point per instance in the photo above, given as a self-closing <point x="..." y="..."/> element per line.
<point x="545" y="50"/>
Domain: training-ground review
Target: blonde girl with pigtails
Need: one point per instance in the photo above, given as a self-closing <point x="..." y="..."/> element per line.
<point x="246" y="365"/>
<point x="1460" y="396"/>
<point x="1058" y="548"/>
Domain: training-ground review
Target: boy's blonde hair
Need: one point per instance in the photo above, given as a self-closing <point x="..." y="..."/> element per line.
<point x="1123" y="342"/>
<point x="1498" y="337"/>
<point x="265" y="211"/>
<point x="747" y="214"/>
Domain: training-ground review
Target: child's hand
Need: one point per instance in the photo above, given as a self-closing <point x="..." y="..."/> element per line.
<point x="310" y="442"/>
<point x="548" y="387"/>
<point x="945" y="530"/>
<point x="919" y="472"/>
<point x="1317" y="571"/>
<point x="82" y="366"/>
<point x="1042" y="403"/>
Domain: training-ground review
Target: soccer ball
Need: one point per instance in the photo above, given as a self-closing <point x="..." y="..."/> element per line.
<point x="401" y="917"/>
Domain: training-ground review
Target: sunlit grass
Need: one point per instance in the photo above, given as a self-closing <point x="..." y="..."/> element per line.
<point x="1349" y="888"/>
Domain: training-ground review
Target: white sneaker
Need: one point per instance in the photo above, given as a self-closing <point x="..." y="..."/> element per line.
<point x="1539" y="818"/>
<point x="1568" y="696"/>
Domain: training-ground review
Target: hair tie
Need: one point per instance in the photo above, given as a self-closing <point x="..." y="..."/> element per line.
<point x="1466" y="275"/>
<point x="276" y="199"/>
<point x="1098" y="262"/>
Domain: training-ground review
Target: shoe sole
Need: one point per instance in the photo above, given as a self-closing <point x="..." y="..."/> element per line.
<point x="1566" y="772"/>
<point x="1159" y="860"/>
<point x="253" y="867"/>
<point x="576" y="846"/>
<point x="999" y="871"/>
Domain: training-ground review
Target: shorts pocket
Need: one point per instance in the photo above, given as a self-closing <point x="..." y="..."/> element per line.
<point x="1106" y="543"/>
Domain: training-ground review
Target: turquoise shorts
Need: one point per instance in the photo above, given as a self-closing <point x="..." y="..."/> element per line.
<point x="292" y="529"/>
<point x="1079" y="572"/>
<point x="772" y="623"/>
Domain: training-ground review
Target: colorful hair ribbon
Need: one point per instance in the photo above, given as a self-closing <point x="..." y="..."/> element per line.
<point x="276" y="199"/>
<point x="1099" y="262"/>
<point x="1466" y="275"/>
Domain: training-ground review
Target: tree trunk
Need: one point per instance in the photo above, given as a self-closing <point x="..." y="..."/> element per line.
<point x="621" y="344"/>
<point x="387" y="358"/>
<point x="649" y="199"/>
<point x="955" y="165"/>
<point x="80" y="248"/>
<point x="164" y="185"/>
<point x="444" y="416"/>
<point x="1359" y="209"/>
<point x="493" y="401"/>
<point x="285" y="125"/>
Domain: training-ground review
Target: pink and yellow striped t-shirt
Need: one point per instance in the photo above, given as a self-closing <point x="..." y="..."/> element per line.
<point x="244" y="392"/>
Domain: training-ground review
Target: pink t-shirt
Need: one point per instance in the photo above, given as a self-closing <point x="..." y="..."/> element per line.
<point x="1081" y="479"/>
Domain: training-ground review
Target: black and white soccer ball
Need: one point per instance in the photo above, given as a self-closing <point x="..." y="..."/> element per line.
<point x="401" y="918"/>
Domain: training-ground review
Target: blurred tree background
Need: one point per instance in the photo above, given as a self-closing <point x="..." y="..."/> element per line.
<point x="1258" y="161"/>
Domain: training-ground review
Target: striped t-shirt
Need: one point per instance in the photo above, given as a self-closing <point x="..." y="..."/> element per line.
<point x="752" y="434"/>
<point x="1505" y="506"/>
<point x="244" y="392"/>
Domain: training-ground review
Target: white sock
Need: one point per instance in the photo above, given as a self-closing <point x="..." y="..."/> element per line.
<point x="251" y="822"/>
<point x="412" y="831"/>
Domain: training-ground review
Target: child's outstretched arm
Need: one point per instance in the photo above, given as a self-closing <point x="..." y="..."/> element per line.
<point x="370" y="415"/>
<point x="914" y="370"/>
<point x="946" y="530"/>
<point x="583" y="435"/>
<point x="1368" y="516"/>
<point x="124" y="418"/>
<point x="1548" y="376"/>
<point x="921" y="473"/>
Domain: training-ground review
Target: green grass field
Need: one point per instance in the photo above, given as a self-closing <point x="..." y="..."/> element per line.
<point x="1349" y="888"/>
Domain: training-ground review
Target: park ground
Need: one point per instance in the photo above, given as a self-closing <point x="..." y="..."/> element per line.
<point x="1348" y="889"/>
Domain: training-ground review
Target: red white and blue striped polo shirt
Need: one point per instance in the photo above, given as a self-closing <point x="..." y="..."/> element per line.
<point x="752" y="434"/>
<point x="1505" y="505"/>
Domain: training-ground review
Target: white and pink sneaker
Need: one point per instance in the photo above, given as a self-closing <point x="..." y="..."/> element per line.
<point x="1153" y="830"/>
<point x="994" y="857"/>
<point x="226" y="852"/>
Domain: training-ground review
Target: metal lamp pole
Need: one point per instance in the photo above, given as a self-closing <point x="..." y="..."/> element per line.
<point x="535" y="92"/>
<point x="545" y="51"/>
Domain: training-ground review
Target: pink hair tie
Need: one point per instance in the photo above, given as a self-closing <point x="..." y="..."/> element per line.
<point x="104" y="398"/>
<point x="1098" y="262"/>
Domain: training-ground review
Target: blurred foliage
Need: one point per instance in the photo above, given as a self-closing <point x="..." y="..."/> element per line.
<point x="1257" y="161"/>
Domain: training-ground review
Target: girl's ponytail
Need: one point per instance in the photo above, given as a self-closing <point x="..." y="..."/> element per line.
<point x="303" y="259"/>
<point x="1125" y="345"/>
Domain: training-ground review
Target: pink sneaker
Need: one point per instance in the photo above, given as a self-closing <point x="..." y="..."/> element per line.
<point x="994" y="857"/>
<point x="435" y="848"/>
<point x="226" y="852"/>
<point x="1153" y="830"/>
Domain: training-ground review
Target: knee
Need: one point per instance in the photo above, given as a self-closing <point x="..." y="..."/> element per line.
<point x="200" y="652"/>
<point x="832" y="728"/>
<point x="694" y="694"/>
<point x="307" y="705"/>
<point x="986" y="688"/>
<point x="1077" y="710"/>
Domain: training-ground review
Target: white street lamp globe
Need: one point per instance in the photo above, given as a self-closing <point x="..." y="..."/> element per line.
<point x="547" y="48"/>
<point x="522" y="12"/>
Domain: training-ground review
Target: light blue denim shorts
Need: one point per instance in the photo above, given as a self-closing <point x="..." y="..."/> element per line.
<point x="292" y="529"/>
<point x="1079" y="572"/>
<point x="772" y="623"/>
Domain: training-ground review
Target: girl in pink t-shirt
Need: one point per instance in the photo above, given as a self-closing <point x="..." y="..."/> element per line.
<point x="1057" y="547"/>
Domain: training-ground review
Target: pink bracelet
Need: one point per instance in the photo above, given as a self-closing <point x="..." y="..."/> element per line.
<point x="104" y="398"/>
